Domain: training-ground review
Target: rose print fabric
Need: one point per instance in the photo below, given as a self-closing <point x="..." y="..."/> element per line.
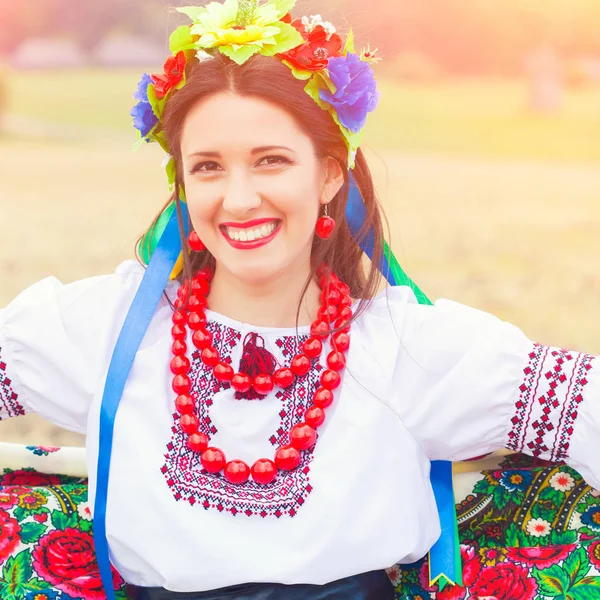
<point x="530" y="530"/>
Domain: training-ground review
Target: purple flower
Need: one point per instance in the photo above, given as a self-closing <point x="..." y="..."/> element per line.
<point x="144" y="118"/>
<point x="142" y="90"/>
<point x="356" y="94"/>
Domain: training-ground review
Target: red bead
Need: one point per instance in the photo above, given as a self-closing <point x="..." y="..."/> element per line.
<point x="263" y="384"/>
<point x="287" y="458"/>
<point x="344" y="289"/>
<point x="300" y="365"/>
<point x="322" y="271"/>
<point x="184" y="290"/>
<point x="264" y="471"/>
<point x="206" y="273"/>
<point x="196" y="303"/>
<point x="283" y="377"/>
<point x="195" y="242"/>
<point x="181" y="384"/>
<point x="179" y="348"/>
<point x="179" y="317"/>
<point x="319" y="329"/>
<point x="330" y="296"/>
<point x="325" y="227"/>
<point x="202" y="338"/>
<point x="223" y="372"/>
<point x="312" y="347"/>
<point x="200" y="286"/>
<point x="178" y="332"/>
<point x="198" y="442"/>
<point x="346" y="301"/>
<point x="328" y="313"/>
<point x="179" y="303"/>
<point x="346" y="313"/>
<point x="314" y="416"/>
<point x="330" y="379"/>
<point x="189" y="423"/>
<point x="213" y="460"/>
<point x="184" y="404"/>
<point x="241" y="382"/>
<point x="341" y="341"/>
<point x="336" y="361"/>
<point x="210" y="357"/>
<point x="179" y="365"/>
<point x="236" y="471"/>
<point x="196" y="321"/>
<point x="303" y="436"/>
<point x="342" y="325"/>
<point x="323" y="398"/>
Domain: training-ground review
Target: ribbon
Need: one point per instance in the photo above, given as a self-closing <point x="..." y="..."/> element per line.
<point x="136" y="323"/>
<point x="445" y="565"/>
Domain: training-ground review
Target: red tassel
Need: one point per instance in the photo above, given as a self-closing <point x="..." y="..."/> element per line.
<point x="256" y="359"/>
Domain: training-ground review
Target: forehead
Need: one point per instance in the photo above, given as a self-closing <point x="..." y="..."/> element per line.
<point x="229" y="121"/>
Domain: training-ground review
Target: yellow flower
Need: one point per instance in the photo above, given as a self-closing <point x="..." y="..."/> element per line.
<point x="216" y="26"/>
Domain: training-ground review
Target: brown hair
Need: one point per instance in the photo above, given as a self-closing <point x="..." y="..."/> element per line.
<point x="271" y="80"/>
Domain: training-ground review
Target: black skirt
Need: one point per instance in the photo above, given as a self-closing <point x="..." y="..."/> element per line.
<point x="368" y="586"/>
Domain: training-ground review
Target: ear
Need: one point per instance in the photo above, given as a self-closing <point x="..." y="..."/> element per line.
<point x="334" y="180"/>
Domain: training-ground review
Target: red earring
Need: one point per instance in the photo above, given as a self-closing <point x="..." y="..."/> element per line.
<point x="325" y="226"/>
<point x="195" y="242"/>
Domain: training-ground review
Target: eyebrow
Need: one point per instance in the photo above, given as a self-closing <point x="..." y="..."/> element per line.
<point x="258" y="150"/>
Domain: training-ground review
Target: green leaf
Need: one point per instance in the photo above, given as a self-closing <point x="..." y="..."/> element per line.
<point x="300" y="74"/>
<point x="181" y="39"/>
<point x="35" y="584"/>
<point x="31" y="532"/>
<point x="6" y="593"/>
<point x="512" y="536"/>
<point x="19" y="514"/>
<point x="18" y="568"/>
<point x="585" y="591"/>
<point x="287" y="38"/>
<point x="483" y="486"/>
<point x="577" y="564"/>
<point x="349" y="46"/>
<point x="241" y="55"/>
<point x="562" y="538"/>
<point x="61" y="520"/>
<point x="284" y="6"/>
<point x="553" y="581"/>
<point x="85" y="525"/>
<point x="501" y="497"/>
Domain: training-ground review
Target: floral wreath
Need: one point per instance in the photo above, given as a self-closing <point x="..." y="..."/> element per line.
<point x="337" y="79"/>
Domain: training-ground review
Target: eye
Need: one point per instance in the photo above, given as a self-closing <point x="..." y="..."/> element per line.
<point x="274" y="160"/>
<point x="205" y="167"/>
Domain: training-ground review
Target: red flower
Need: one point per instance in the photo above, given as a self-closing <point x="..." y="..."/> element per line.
<point x="540" y="556"/>
<point x="68" y="561"/>
<point x="286" y="18"/>
<point x="314" y="54"/>
<point x="8" y="499"/>
<point x="595" y="554"/>
<point x="174" y="68"/>
<point x="505" y="581"/>
<point x="9" y="535"/>
<point x="29" y="478"/>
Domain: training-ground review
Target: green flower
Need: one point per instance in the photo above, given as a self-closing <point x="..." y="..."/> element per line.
<point x="261" y="32"/>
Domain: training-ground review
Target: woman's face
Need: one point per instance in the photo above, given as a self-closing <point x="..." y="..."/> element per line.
<point x="254" y="186"/>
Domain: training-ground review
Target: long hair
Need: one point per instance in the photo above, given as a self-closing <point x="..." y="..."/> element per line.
<point x="269" y="79"/>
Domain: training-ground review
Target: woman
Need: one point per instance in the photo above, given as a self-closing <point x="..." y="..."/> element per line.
<point x="272" y="330"/>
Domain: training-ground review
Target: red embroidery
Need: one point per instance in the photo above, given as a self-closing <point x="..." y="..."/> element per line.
<point x="9" y="400"/>
<point x="190" y="482"/>
<point x="546" y="410"/>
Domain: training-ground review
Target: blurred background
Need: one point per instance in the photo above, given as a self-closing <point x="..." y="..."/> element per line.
<point x="485" y="149"/>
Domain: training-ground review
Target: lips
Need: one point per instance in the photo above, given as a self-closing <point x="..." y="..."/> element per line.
<point x="251" y="234"/>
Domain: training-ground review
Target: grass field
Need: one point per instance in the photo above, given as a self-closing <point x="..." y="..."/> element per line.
<point x="488" y="205"/>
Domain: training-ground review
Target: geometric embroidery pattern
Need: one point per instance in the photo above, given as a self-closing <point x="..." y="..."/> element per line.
<point x="9" y="404"/>
<point x="183" y="470"/>
<point x="550" y="394"/>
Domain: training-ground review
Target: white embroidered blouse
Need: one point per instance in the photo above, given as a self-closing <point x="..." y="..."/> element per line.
<point x="422" y="383"/>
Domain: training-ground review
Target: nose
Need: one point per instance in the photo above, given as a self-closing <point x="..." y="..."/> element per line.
<point x="241" y="196"/>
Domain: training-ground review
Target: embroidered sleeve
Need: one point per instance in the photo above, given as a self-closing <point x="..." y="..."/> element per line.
<point x="555" y="383"/>
<point x="466" y="383"/>
<point x="9" y="400"/>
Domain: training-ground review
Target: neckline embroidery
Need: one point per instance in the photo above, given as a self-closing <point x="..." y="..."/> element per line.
<point x="182" y="469"/>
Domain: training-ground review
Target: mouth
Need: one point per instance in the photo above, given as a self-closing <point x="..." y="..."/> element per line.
<point x="253" y="234"/>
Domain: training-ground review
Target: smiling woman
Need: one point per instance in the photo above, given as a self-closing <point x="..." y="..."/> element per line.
<point x="277" y="415"/>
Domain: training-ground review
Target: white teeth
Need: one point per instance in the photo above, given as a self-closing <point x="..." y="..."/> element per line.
<point x="249" y="235"/>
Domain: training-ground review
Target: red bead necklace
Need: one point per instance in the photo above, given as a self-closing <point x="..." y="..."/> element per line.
<point x="335" y="312"/>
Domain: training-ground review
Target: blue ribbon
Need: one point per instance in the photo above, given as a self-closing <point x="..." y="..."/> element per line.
<point x="444" y="556"/>
<point x="134" y="328"/>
